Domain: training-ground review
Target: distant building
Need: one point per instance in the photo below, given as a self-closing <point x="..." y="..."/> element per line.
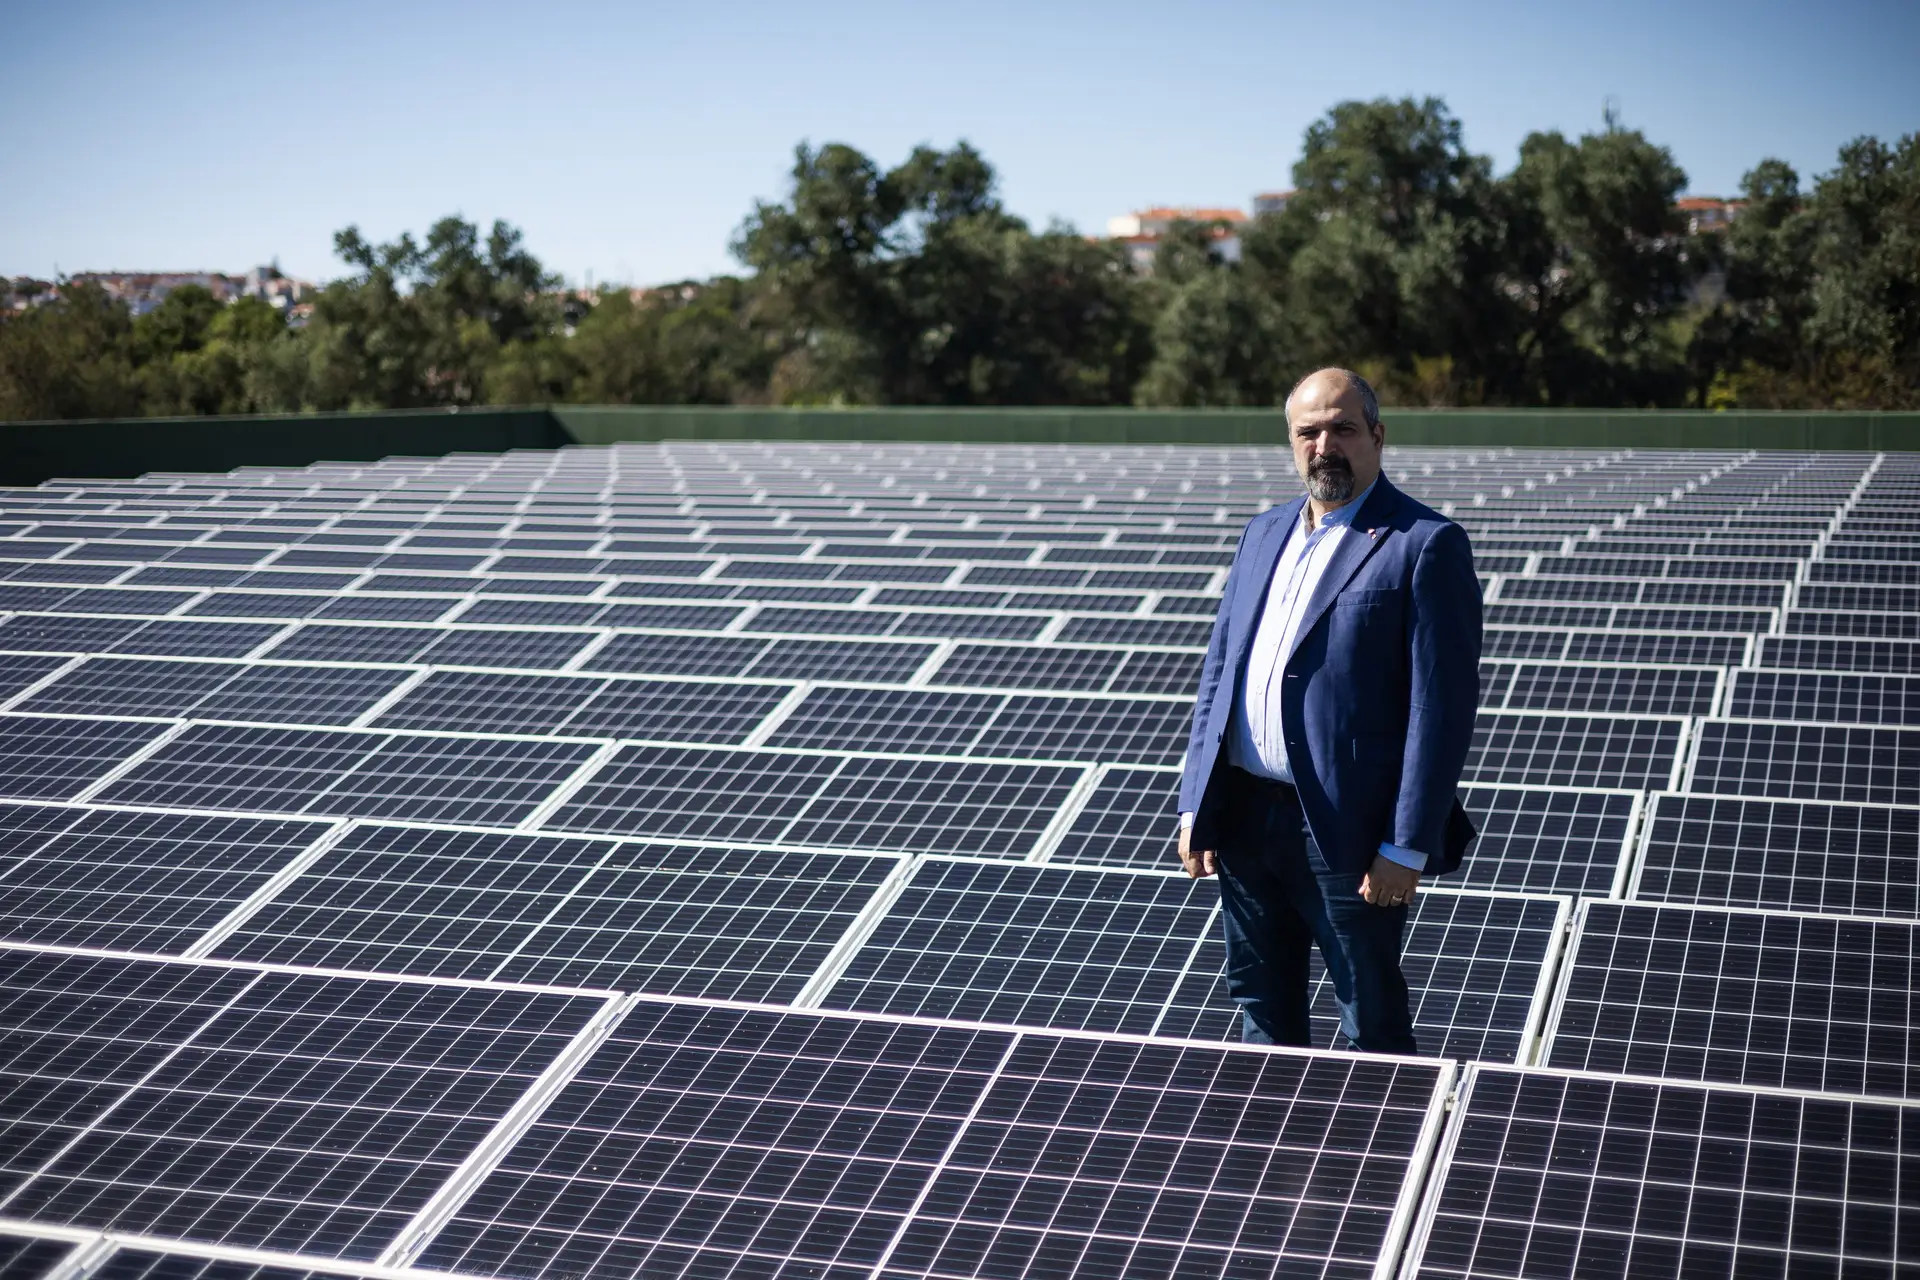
<point x="1708" y="213"/>
<point x="142" y="291"/>
<point x="282" y="292"/>
<point x="1141" y="232"/>
<point x="22" y="292"/>
<point x="1271" y="202"/>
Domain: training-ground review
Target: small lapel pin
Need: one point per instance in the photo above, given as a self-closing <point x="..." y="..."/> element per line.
<point x="1373" y="533"/>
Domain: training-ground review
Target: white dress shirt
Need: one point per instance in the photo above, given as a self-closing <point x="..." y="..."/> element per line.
<point x="1256" y="741"/>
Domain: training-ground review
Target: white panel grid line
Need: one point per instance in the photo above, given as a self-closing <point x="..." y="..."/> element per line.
<point x="1562" y="985"/>
<point x="568" y="787"/>
<point x="82" y="1261"/>
<point x="269" y="889"/>
<point x="1632" y="848"/>
<point x="778" y="715"/>
<point x="1413" y="1191"/>
<point x="27" y="691"/>
<point x="578" y="662"/>
<point x="1686" y="758"/>
<point x="923" y="674"/>
<point x="150" y="749"/>
<point x="1207" y="933"/>
<point x="1065" y="816"/>
<point x="506" y="1131"/>
<point x="128" y="1090"/>
<point x="812" y="996"/>
<point x="1559" y="953"/>
<point x="945" y="1157"/>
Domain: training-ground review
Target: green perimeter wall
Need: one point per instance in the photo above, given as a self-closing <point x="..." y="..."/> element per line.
<point x="34" y="451"/>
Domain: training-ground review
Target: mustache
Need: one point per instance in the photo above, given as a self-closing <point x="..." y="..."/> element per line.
<point x="1320" y="466"/>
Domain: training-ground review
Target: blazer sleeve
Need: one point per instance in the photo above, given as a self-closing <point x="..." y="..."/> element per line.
<point x="1191" y="783"/>
<point x="1444" y="689"/>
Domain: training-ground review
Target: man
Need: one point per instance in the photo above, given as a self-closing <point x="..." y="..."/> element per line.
<point x="1334" y="714"/>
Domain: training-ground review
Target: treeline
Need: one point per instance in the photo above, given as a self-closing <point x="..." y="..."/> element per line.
<point x="1571" y="280"/>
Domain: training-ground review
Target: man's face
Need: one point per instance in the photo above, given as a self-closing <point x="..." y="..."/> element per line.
<point x="1332" y="448"/>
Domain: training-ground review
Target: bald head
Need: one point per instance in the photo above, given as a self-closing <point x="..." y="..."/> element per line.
<point x="1333" y="421"/>
<point x="1321" y="384"/>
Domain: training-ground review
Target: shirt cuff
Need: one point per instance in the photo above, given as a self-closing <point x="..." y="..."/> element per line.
<point x="1186" y="821"/>
<point x="1405" y="857"/>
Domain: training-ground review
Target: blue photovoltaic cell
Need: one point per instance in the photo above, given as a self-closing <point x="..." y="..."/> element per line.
<point x="134" y="881"/>
<point x="51" y="758"/>
<point x="489" y="782"/>
<point x="1565" y="1175"/>
<point x="671" y="919"/>
<point x="901" y="628"/>
<point x="278" y="1111"/>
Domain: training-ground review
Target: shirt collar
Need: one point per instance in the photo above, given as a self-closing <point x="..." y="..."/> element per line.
<point x="1342" y="514"/>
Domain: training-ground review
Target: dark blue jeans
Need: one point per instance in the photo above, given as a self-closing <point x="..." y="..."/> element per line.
<point x="1278" y="898"/>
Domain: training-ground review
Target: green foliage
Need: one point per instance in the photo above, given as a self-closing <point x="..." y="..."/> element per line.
<point x="916" y="286"/>
<point x="70" y="358"/>
<point x="1823" y="290"/>
<point x="1571" y="280"/>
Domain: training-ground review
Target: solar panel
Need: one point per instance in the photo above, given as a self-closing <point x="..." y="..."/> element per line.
<point x="811" y="798"/>
<point x="56" y="758"/>
<point x="266" y="1110"/>
<point x="1829" y="697"/>
<point x="1835" y="654"/>
<point x="671" y="919"/>
<point x="1565" y="1174"/>
<point x="25" y="1257"/>
<point x="1762" y="998"/>
<point x="1476" y="966"/>
<point x="133" y="881"/>
<point x="1618" y="689"/>
<point x="1807" y="761"/>
<point x="217" y="691"/>
<point x="1554" y="749"/>
<point x="915" y="1149"/>
<point x="480" y="781"/>
<point x="740" y="730"/>
<point x="1548" y="840"/>
<point x="1038" y="946"/>
<point x="582" y="706"/>
<point x="1855" y="859"/>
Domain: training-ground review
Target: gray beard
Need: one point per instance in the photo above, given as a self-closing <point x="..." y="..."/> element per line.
<point x="1330" y="486"/>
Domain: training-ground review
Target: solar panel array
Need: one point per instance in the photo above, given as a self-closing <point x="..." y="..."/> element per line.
<point x="745" y="859"/>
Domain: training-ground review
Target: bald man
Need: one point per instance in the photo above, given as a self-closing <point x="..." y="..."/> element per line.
<point x="1334" y="714"/>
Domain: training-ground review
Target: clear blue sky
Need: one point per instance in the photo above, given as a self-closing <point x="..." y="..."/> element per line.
<point x="631" y="139"/>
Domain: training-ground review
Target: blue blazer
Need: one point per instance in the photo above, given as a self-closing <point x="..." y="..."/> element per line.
<point x="1379" y="691"/>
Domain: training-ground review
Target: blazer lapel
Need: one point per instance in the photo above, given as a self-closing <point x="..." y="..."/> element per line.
<point x="1361" y="540"/>
<point x="1263" y="556"/>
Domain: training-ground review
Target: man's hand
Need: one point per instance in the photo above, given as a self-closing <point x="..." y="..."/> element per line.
<point x="1198" y="862"/>
<point x="1386" y="884"/>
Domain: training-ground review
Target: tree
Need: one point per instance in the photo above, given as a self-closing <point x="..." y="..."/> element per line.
<point x="688" y="343"/>
<point x="915" y="286"/>
<point x="1866" y="280"/>
<point x="1388" y="255"/>
<point x="1568" y="281"/>
<point x="1596" y="260"/>
<point x="196" y="354"/>
<point x="419" y="324"/>
<point x="1217" y="341"/>
<point x="1823" y="289"/>
<point x="69" y="358"/>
